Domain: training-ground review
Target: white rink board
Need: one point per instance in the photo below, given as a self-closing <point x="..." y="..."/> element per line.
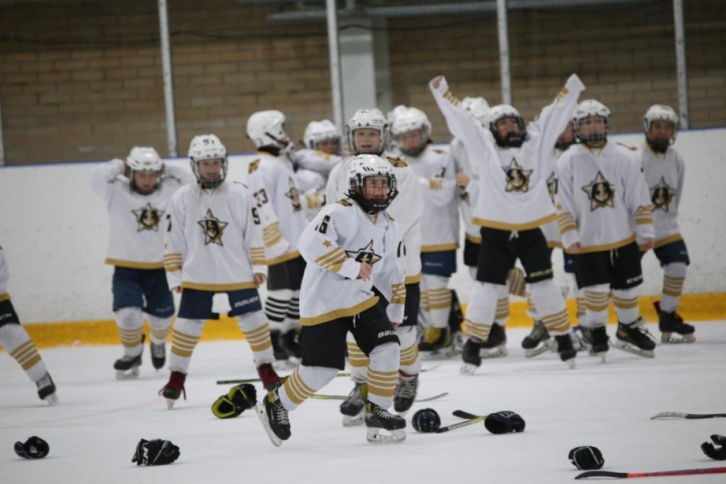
<point x="55" y="231"/>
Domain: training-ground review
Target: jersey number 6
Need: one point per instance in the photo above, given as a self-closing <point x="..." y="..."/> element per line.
<point x="322" y="227"/>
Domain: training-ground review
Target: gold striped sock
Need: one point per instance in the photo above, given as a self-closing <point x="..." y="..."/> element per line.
<point x="558" y="323"/>
<point x="502" y="312"/>
<point x="480" y="331"/>
<point x="382" y="383"/>
<point x="183" y="344"/>
<point x="673" y="286"/>
<point x="296" y="388"/>
<point x="597" y="301"/>
<point x="26" y="355"/>
<point x="409" y="355"/>
<point x="131" y="337"/>
<point x="259" y="338"/>
<point x="625" y="303"/>
<point x="356" y="357"/>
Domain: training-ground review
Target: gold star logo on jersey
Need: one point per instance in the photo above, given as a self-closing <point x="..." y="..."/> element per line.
<point x="366" y="254"/>
<point x="552" y="186"/>
<point x="212" y="228"/>
<point x="147" y="218"/>
<point x="600" y="192"/>
<point x="662" y="195"/>
<point x="327" y="244"/>
<point x="294" y="195"/>
<point x="517" y="178"/>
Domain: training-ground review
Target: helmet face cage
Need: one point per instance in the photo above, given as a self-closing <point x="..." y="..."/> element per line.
<point x="659" y="112"/>
<point x="365" y="167"/>
<point x="591" y="109"/>
<point x="208" y="147"/>
<point x="143" y="160"/>
<point x="368" y="119"/>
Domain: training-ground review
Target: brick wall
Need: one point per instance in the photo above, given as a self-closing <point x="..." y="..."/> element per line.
<point x="90" y="85"/>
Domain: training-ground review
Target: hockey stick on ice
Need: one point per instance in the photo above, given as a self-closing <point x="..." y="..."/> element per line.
<point x="319" y="396"/>
<point x="625" y="475"/>
<point x="667" y="415"/>
<point x="471" y="420"/>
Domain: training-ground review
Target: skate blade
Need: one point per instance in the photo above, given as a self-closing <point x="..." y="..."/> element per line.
<point x="498" y="352"/>
<point x="52" y="399"/>
<point x="468" y="369"/>
<point x="374" y="436"/>
<point x="262" y="414"/>
<point x="170" y="403"/>
<point x="571" y="363"/>
<point x="436" y="355"/>
<point x="547" y="345"/>
<point x="628" y="348"/>
<point x="349" y="421"/>
<point x="131" y="374"/>
<point x="667" y="338"/>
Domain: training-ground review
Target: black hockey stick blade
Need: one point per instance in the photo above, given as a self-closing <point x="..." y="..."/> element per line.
<point x="624" y="475"/>
<point x="459" y="425"/>
<point x="463" y="414"/>
<point x="340" y="374"/>
<point x="690" y="416"/>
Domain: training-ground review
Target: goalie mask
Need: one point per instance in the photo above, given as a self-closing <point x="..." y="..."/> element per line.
<point x="372" y="184"/>
<point x="267" y="128"/>
<point x="411" y="130"/>
<point x="478" y="107"/>
<point x="208" y="147"/>
<point x="320" y="131"/>
<point x="515" y="136"/>
<point x="592" y="122"/>
<point x="661" y="127"/>
<point x="371" y="119"/>
<point x="143" y="169"/>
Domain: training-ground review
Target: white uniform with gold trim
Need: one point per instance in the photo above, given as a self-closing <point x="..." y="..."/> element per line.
<point x="440" y="219"/>
<point x="468" y="196"/>
<point x="599" y="193"/>
<point x="214" y="242"/>
<point x="333" y="245"/>
<point x="550" y="230"/>
<point x="281" y="204"/>
<point x="407" y="208"/>
<point x="513" y="185"/>
<point x="316" y="161"/>
<point x="4" y="277"/>
<point x="664" y="175"/>
<point x="312" y="184"/>
<point x="136" y="221"/>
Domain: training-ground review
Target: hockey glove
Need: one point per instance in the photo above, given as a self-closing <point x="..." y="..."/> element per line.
<point x="586" y="457"/>
<point x="155" y="453"/>
<point x="238" y="399"/>
<point x="33" y="448"/>
<point x="426" y="421"/>
<point x="711" y="450"/>
<point x="504" y="422"/>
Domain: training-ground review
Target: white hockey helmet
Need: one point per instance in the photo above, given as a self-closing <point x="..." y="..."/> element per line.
<point x="587" y="109"/>
<point x="478" y="107"/>
<point x="267" y="128"/>
<point x="365" y="166"/>
<point x="393" y="113"/>
<point x="369" y="119"/>
<point x="499" y="112"/>
<point x="660" y="112"/>
<point x="411" y="120"/>
<point x="207" y="147"/>
<point x="317" y="131"/>
<point x="143" y="159"/>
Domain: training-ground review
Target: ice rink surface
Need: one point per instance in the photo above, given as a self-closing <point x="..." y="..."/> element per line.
<point x="94" y="431"/>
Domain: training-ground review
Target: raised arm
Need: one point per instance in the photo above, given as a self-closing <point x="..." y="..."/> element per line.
<point x="102" y="178"/>
<point x="553" y="118"/>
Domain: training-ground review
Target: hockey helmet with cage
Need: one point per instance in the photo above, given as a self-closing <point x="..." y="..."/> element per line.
<point x="207" y="147"/>
<point x="587" y="109"/>
<point x="660" y="112"/>
<point x="363" y="167"/>
<point x="499" y="112"/>
<point x="317" y="131"/>
<point x="267" y="128"/>
<point x="413" y="119"/>
<point x="368" y="119"/>
<point x="478" y="107"/>
<point x="143" y="159"/>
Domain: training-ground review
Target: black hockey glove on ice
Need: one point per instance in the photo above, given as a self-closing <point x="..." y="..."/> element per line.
<point x="33" y="448"/>
<point x="155" y="453"/>
<point x="237" y="400"/>
<point x="711" y="450"/>
<point x="586" y="457"/>
<point x="504" y="422"/>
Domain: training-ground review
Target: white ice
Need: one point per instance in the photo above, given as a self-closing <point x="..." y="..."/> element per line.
<point x="93" y="432"/>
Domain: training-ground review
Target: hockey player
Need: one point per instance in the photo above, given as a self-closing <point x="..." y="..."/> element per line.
<point x="214" y="245"/>
<point x="367" y="133"/>
<point x="664" y="169"/>
<point x="282" y="212"/>
<point x="600" y="191"/>
<point x="17" y="343"/>
<point x="136" y="194"/>
<point x="439" y="225"/>
<point x="353" y="283"/>
<point x="513" y="203"/>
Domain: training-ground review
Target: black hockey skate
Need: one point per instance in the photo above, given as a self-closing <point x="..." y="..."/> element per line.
<point x="289" y="343"/>
<point x="405" y="394"/>
<point x="352" y="407"/>
<point x="174" y="389"/>
<point x="566" y="350"/>
<point x="46" y="390"/>
<point x="269" y="377"/>
<point x="158" y="355"/>
<point x="471" y="356"/>
<point x="274" y="417"/>
<point x="600" y="343"/>
<point x="282" y="361"/>
<point x="377" y="419"/>
<point x="635" y="339"/>
<point x="578" y="338"/>
<point x="436" y="344"/>
<point x="538" y="341"/>
<point x="496" y="345"/>
<point x="127" y="367"/>
<point x="669" y="323"/>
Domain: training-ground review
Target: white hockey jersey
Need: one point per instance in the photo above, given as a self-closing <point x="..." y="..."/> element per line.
<point x="281" y="204"/>
<point x="214" y="239"/>
<point x="599" y="193"/>
<point x="136" y="221"/>
<point x="312" y="184"/>
<point x="513" y="182"/>
<point x="440" y="218"/>
<point x="406" y="208"/>
<point x="334" y="245"/>
<point x="470" y="194"/>
<point x="316" y="161"/>
<point x="550" y="230"/>
<point x="664" y="174"/>
<point x="4" y="277"/>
